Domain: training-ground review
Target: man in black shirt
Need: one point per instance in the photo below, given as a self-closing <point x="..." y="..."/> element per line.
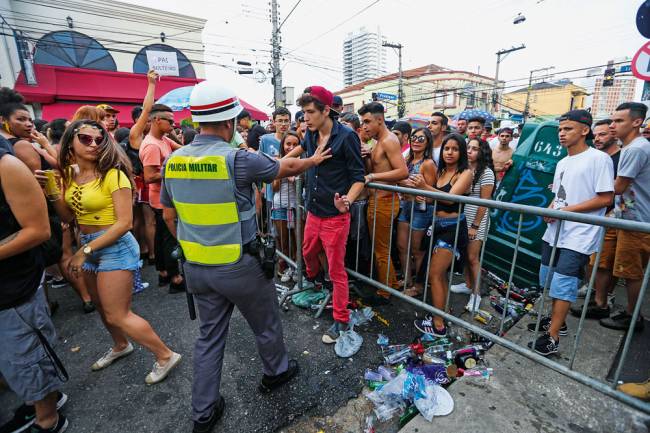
<point x="28" y="363"/>
<point x="331" y="188"/>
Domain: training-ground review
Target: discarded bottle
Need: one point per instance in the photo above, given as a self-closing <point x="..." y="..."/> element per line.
<point x="397" y="357"/>
<point x="466" y="358"/>
<point x="376" y="384"/>
<point x="484" y="372"/>
<point x="431" y="359"/>
<point x="372" y="375"/>
<point x="483" y="316"/>
<point x="386" y="373"/>
<point x="408" y="415"/>
<point x="389" y="350"/>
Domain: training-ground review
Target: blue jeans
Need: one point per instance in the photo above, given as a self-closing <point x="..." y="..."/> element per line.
<point x="123" y="255"/>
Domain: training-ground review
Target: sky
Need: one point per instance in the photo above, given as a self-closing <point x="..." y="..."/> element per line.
<point x="460" y="35"/>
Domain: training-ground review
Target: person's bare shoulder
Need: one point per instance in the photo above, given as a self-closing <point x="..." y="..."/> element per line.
<point x="390" y="140"/>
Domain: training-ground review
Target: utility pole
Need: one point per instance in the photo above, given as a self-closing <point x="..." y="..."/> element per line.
<point x="401" y="108"/>
<point x="278" y="100"/>
<point x="530" y="87"/>
<point x="500" y="53"/>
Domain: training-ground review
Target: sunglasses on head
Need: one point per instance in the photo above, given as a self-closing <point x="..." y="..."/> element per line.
<point x="87" y="139"/>
<point x="418" y="138"/>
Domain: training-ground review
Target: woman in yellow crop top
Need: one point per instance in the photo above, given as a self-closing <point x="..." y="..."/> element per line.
<point x="96" y="179"/>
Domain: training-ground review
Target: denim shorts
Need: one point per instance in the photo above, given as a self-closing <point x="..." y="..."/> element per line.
<point x="280" y="214"/>
<point x="24" y="362"/>
<point x="421" y="218"/>
<point x="568" y="269"/>
<point x="123" y="255"/>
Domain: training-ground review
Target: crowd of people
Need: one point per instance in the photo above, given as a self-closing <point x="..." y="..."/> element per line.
<point x="87" y="203"/>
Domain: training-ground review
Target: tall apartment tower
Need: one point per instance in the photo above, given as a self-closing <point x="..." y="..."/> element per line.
<point x="604" y="100"/>
<point x="364" y="57"/>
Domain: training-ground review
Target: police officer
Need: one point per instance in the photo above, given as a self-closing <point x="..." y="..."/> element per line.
<point x="208" y="192"/>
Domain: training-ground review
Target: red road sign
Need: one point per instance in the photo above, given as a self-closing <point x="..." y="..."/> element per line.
<point x="641" y="63"/>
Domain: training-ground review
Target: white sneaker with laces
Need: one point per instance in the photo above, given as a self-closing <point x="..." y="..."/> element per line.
<point x="474" y="303"/>
<point x="160" y="372"/>
<point x="460" y="288"/>
<point x="110" y="357"/>
<point x="286" y="275"/>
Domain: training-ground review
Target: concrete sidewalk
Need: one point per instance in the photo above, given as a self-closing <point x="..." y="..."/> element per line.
<point x="523" y="396"/>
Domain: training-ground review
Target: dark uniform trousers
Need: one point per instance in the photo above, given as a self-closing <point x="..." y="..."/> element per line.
<point x="217" y="290"/>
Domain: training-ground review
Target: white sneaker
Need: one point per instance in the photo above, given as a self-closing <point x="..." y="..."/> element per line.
<point x="286" y="275"/>
<point x="159" y="373"/>
<point x="582" y="291"/>
<point x="474" y="303"/>
<point x="110" y="357"/>
<point x="460" y="288"/>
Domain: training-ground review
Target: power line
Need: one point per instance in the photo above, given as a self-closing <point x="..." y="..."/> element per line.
<point x="289" y="14"/>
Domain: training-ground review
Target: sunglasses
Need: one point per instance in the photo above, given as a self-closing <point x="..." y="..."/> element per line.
<point x="418" y="138"/>
<point x="87" y="140"/>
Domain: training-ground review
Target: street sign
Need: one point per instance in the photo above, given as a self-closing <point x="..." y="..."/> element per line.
<point x="641" y="63"/>
<point x="625" y="68"/>
<point x="386" y="96"/>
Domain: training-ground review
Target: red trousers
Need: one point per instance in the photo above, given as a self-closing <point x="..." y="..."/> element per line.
<point x="331" y="235"/>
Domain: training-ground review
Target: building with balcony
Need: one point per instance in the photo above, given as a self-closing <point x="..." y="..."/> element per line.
<point x="364" y="57"/>
<point x="426" y="89"/>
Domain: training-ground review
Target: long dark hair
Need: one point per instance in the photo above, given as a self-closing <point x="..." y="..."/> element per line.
<point x="484" y="159"/>
<point x="110" y="156"/>
<point x="463" y="162"/>
<point x="289" y="133"/>
<point x="428" y="150"/>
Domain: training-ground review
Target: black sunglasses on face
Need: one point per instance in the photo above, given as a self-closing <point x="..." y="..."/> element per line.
<point x="418" y="138"/>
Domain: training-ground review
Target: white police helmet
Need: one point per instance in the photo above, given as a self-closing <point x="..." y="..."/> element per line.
<point x="212" y="102"/>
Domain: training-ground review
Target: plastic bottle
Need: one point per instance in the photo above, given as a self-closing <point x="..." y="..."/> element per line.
<point x="386" y="373"/>
<point x="370" y="375"/>
<point x="397" y="357"/>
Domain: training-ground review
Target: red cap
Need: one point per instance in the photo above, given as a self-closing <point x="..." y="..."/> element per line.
<point x="325" y="97"/>
<point x="322" y="94"/>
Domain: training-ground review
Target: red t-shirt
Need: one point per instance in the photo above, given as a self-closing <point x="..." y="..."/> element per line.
<point x="153" y="153"/>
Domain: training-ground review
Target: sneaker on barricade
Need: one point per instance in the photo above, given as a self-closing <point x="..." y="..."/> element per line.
<point x="545" y="345"/>
<point x="110" y="357"/>
<point x="621" y="321"/>
<point x="545" y="325"/>
<point x="593" y="311"/>
<point x="286" y="275"/>
<point x="426" y="326"/>
<point x="460" y="288"/>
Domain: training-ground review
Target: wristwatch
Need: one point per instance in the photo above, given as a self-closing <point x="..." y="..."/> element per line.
<point x="87" y="250"/>
<point x="475" y="226"/>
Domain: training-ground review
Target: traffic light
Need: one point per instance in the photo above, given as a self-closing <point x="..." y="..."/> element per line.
<point x="374" y="96"/>
<point x="608" y="80"/>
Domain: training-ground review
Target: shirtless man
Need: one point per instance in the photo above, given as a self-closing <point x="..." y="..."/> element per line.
<point x="384" y="164"/>
<point x="502" y="154"/>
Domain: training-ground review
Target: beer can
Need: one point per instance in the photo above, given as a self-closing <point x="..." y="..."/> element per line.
<point x="51" y="186"/>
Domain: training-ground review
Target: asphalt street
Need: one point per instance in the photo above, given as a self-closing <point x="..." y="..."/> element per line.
<point x="117" y="400"/>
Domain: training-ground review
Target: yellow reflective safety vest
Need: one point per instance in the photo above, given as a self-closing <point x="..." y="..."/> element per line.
<point x="200" y="181"/>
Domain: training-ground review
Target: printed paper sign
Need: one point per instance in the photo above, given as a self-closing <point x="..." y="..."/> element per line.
<point x="163" y="62"/>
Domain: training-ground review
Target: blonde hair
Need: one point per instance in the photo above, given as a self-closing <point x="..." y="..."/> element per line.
<point x="89" y="112"/>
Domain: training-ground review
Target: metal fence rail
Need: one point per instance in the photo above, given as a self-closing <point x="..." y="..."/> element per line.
<point x="562" y="216"/>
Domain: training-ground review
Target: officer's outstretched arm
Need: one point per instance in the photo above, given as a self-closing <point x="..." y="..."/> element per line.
<point x="294" y="166"/>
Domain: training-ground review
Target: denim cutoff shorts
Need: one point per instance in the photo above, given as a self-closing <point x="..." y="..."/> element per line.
<point x="123" y="255"/>
<point x="421" y="218"/>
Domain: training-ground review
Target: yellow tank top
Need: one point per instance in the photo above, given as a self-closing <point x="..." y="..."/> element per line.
<point x="92" y="202"/>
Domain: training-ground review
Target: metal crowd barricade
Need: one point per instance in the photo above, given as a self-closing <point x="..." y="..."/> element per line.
<point x="603" y="387"/>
